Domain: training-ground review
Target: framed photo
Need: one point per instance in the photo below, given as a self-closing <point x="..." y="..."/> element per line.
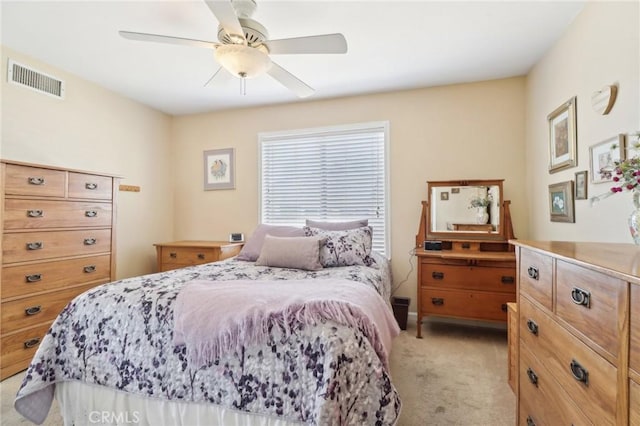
<point x="581" y="185"/>
<point x="561" y="202"/>
<point x="603" y="156"/>
<point x="219" y="169"/>
<point x="562" y="136"/>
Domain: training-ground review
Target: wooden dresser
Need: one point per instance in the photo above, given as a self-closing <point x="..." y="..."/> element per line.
<point x="466" y="270"/>
<point x="579" y="333"/>
<point x="178" y="254"/>
<point x="58" y="240"/>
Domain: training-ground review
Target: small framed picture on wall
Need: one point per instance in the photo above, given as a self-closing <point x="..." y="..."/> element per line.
<point x="581" y="185"/>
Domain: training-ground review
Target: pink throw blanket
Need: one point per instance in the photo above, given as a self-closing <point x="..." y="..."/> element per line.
<point x="212" y="317"/>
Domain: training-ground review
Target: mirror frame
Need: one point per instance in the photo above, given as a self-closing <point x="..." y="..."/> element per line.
<point x="499" y="235"/>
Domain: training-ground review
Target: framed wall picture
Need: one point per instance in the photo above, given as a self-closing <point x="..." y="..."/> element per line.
<point x="562" y="136"/>
<point x="602" y="158"/>
<point x="561" y="202"/>
<point x="219" y="169"/>
<point x="581" y="185"/>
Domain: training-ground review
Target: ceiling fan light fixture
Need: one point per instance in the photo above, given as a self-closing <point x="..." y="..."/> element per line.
<point x="243" y="61"/>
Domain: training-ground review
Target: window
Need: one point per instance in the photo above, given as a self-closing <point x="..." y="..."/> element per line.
<point x="331" y="174"/>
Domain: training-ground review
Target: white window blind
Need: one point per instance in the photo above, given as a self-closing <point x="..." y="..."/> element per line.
<point x="329" y="174"/>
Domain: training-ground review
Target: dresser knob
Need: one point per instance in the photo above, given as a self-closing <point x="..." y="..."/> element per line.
<point x="35" y="213"/>
<point x="33" y="310"/>
<point x="33" y="278"/>
<point x="507" y="280"/>
<point x="533" y="377"/>
<point x="201" y="256"/>
<point x="581" y="297"/>
<point x="438" y="301"/>
<point x="533" y="273"/>
<point x="90" y="241"/>
<point x="437" y="275"/>
<point x="91" y="186"/>
<point x="89" y="269"/>
<point x="36" y="181"/>
<point x="31" y="343"/>
<point x="36" y="245"/>
<point x="532" y="327"/>
<point x="579" y="372"/>
<point x="91" y="213"/>
<point x="173" y="255"/>
<point x="530" y="421"/>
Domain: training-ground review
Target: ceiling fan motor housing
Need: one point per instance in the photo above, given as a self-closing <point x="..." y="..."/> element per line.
<point x="254" y="32"/>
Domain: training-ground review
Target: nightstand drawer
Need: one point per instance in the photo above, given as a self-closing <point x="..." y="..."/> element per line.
<point x="188" y="255"/>
<point x="34" y="181"/>
<point x="474" y="305"/>
<point x="27" y="246"/>
<point x="536" y="276"/>
<point x="42" y="214"/>
<point x="23" y="280"/>
<point x="590" y="302"/>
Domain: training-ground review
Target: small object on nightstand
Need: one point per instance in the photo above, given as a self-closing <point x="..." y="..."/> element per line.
<point x="236" y="237"/>
<point x="433" y="245"/>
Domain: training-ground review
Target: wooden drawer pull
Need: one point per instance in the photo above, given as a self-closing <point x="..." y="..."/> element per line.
<point x="90" y="241"/>
<point x="581" y="297"/>
<point x="91" y="186"/>
<point x="89" y="269"/>
<point x="35" y="213"/>
<point x="533" y="377"/>
<point x="507" y="280"/>
<point x="533" y="273"/>
<point x="33" y="278"/>
<point x="31" y="343"/>
<point x="173" y="255"/>
<point x="579" y="372"/>
<point x="530" y="421"/>
<point x="36" y="181"/>
<point x="201" y="256"/>
<point x="438" y="301"/>
<point x="36" y="245"/>
<point x="532" y="327"/>
<point x="91" y="213"/>
<point x="33" y="310"/>
<point x="437" y="275"/>
<point x="504" y="307"/>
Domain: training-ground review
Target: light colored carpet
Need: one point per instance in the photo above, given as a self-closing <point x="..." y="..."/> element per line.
<point x="454" y="375"/>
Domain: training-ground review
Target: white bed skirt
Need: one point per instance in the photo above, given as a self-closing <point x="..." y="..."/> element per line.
<point x="87" y="404"/>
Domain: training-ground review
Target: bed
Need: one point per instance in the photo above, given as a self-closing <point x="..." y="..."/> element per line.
<point x="110" y="356"/>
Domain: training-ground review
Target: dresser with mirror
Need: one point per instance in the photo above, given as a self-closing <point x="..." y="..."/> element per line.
<point x="466" y="266"/>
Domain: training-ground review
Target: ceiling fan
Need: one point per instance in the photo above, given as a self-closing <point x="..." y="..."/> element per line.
<point x="244" y="47"/>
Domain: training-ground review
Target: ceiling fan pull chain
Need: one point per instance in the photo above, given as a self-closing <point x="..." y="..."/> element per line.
<point x="243" y="86"/>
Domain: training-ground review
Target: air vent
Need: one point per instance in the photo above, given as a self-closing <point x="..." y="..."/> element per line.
<point x="28" y="77"/>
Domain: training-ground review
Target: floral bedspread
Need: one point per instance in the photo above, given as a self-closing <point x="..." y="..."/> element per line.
<point x="119" y="335"/>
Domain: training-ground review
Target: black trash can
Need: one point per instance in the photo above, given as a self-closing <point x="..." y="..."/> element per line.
<point x="400" y="307"/>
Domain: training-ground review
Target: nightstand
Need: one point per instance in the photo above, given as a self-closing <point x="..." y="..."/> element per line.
<point x="178" y="254"/>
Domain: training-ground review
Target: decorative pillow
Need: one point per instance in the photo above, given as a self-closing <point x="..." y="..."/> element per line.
<point x="291" y="252"/>
<point x="251" y="250"/>
<point x="344" y="248"/>
<point x="337" y="226"/>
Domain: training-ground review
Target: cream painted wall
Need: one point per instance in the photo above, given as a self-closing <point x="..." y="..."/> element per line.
<point x="463" y="131"/>
<point x="96" y="130"/>
<point x="601" y="47"/>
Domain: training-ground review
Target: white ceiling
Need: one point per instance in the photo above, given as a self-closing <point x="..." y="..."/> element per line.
<point x="392" y="45"/>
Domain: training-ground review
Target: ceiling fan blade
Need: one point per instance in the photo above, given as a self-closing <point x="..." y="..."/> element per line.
<point x="226" y="15"/>
<point x="327" y="43"/>
<point x="168" y="39"/>
<point x="290" y="81"/>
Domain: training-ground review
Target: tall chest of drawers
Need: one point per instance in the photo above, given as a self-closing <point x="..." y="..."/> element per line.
<point x="579" y="333"/>
<point x="58" y="240"/>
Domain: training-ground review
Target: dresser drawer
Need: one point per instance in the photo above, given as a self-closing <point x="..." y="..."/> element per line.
<point x="89" y="186"/>
<point x="19" y="348"/>
<point x="34" y="181"/>
<point x="189" y="255"/>
<point x="469" y="277"/>
<point x="35" y="310"/>
<point x="634" y="357"/>
<point x="564" y="355"/>
<point x="590" y="302"/>
<point x="634" y="403"/>
<point x="41" y="214"/>
<point x="542" y="401"/>
<point x="465" y="304"/>
<point x="23" y="280"/>
<point x="28" y="246"/>
<point x="536" y="277"/>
